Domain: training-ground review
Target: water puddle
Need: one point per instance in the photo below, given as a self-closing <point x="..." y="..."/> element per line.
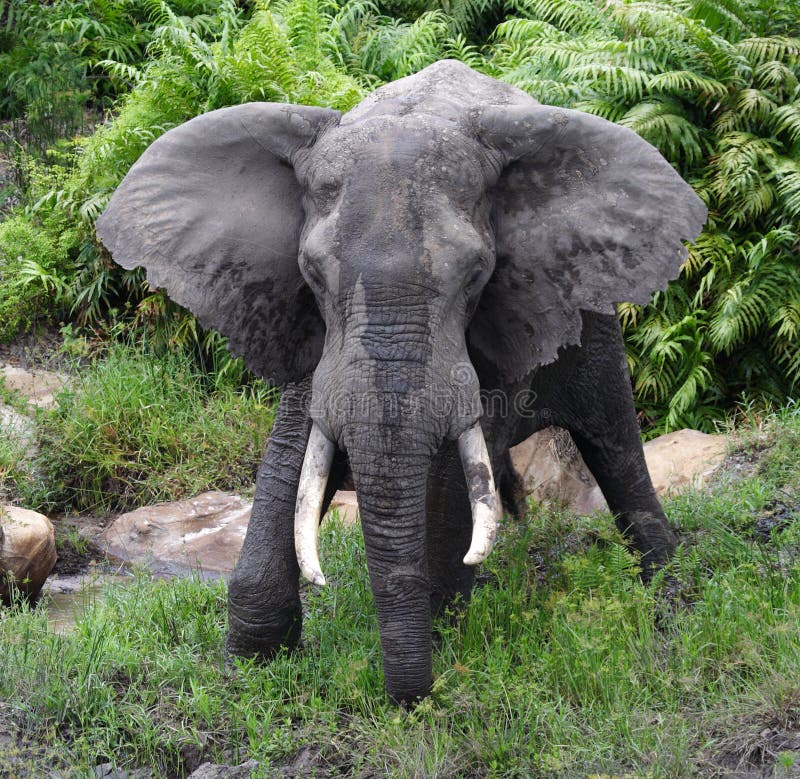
<point x="66" y="598"/>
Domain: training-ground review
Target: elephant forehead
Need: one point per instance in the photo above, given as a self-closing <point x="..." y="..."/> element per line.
<point x="383" y="154"/>
<point x="445" y="89"/>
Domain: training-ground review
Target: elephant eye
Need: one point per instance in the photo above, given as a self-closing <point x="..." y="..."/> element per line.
<point x="475" y="279"/>
<point x="325" y="194"/>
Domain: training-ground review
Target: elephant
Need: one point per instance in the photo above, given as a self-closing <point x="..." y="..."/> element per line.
<point x="428" y="278"/>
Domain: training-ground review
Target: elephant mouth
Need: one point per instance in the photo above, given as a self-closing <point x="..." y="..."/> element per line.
<point x="483" y="496"/>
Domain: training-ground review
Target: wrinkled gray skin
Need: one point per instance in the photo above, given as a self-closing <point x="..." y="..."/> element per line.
<point x="447" y="236"/>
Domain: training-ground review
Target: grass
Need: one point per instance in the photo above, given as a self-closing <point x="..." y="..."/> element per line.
<point x="563" y="665"/>
<point x="134" y="428"/>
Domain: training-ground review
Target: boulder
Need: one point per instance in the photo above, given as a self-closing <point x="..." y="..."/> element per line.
<point x="27" y="551"/>
<point x="215" y="771"/>
<point x="553" y="470"/>
<point x="345" y="504"/>
<point x="202" y="535"/>
<point x="38" y="387"/>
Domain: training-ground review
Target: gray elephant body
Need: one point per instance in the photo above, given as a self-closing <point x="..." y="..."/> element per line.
<point x="447" y="241"/>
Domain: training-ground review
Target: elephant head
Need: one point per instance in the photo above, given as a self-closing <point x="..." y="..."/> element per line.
<point x="447" y="217"/>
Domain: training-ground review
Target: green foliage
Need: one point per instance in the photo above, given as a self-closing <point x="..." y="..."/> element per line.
<point x="563" y="664"/>
<point x="53" y="59"/>
<point x="136" y="427"/>
<point x="33" y="266"/>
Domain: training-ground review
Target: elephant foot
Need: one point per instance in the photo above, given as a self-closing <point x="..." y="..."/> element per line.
<point x="652" y="536"/>
<point x="262" y="636"/>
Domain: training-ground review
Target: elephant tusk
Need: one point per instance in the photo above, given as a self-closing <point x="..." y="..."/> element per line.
<point x="310" y="496"/>
<point x="483" y="496"/>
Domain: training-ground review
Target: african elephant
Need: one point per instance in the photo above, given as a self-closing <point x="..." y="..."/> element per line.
<point x="447" y="241"/>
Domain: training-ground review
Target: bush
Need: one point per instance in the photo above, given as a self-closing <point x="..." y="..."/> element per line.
<point x="33" y="263"/>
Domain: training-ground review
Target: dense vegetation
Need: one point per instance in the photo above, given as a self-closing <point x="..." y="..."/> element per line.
<point x="714" y="84"/>
<point x="564" y="665"/>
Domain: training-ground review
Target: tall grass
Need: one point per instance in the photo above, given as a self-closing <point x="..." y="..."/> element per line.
<point x="139" y="426"/>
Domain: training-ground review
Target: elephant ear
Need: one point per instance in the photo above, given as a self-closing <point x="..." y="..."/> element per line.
<point x="586" y="215"/>
<point x="213" y="211"/>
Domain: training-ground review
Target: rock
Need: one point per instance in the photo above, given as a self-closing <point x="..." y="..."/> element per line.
<point x="203" y="534"/>
<point x="38" y="387"/>
<point x="685" y="458"/>
<point x="345" y="504"/>
<point x="553" y="470"/>
<point x="213" y="771"/>
<point x="27" y="551"/>
<point x="19" y="430"/>
<point x="110" y="771"/>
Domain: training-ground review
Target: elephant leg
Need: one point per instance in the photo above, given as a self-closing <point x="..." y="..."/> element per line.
<point x="449" y="520"/>
<point x="598" y="411"/>
<point x="450" y="515"/>
<point x="264" y="611"/>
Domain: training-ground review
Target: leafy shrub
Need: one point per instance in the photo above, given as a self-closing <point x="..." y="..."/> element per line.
<point x="32" y="267"/>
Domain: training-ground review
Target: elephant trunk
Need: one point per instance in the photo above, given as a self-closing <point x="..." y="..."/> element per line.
<point x="391" y="485"/>
<point x="483" y="496"/>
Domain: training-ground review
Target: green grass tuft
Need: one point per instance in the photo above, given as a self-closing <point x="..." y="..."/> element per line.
<point x="137" y="427"/>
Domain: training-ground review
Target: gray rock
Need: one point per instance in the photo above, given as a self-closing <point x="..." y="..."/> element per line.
<point x="345" y="504"/>
<point x="110" y="771"/>
<point x="27" y="550"/>
<point x="203" y="534"/>
<point x="213" y="771"/>
<point x="38" y="387"/>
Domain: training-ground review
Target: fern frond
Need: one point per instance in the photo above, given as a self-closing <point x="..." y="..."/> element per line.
<point x="776" y="47"/>
<point x="787" y="120"/>
<point x="458" y="49"/>
<point x="628" y="82"/>
<point x="786" y="321"/>
<point x="789" y="359"/>
<point x="686" y="82"/>
<point x="775" y="75"/>
<point x="726" y="17"/>
<point x="754" y="105"/>
<point x="788" y="185"/>
<point x="531" y="31"/>
<point x="397" y="49"/>
<point x="696" y="378"/>
<point x="571" y="16"/>
<point x="545" y="90"/>
<point x="739" y="313"/>
<point x="663" y="123"/>
<point x="607" y="107"/>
